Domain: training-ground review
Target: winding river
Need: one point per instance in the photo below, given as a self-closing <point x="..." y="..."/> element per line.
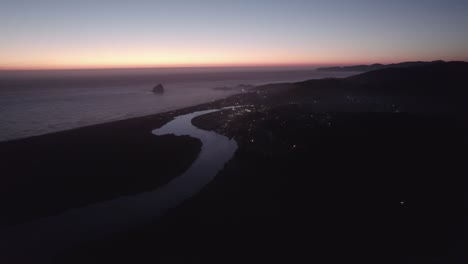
<point x="41" y="240"/>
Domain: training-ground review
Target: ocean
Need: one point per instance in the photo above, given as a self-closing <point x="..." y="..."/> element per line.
<point x="45" y="101"/>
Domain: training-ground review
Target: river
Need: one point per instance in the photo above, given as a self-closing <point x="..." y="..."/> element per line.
<point x="41" y="240"/>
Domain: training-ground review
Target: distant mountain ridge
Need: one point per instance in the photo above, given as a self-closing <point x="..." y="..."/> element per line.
<point x="443" y="79"/>
<point x="438" y="80"/>
<point x="441" y="86"/>
<point x="377" y="66"/>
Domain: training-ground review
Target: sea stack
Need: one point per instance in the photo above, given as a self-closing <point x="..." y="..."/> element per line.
<point x="158" y="89"/>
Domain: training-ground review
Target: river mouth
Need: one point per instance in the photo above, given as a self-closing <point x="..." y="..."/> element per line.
<point x="41" y="240"/>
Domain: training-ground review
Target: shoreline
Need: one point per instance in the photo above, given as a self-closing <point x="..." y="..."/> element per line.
<point x="170" y="112"/>
<point x="122" y="151"/>
<point x="37" y="107"/>
<point x="43" y="167"/>
<point x="164" y="114"/>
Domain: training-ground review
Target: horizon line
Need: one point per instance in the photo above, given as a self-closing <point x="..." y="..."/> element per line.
<point x="181" y="66"/>
<point x="207" y="66"/>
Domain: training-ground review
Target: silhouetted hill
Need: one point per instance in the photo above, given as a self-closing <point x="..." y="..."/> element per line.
<point x="440" y="78"/>
<point x="377" y="66"/>
<point x="428" y="88"/>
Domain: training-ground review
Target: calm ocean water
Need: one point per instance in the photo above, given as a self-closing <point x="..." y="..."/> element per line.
<point x="41" y="102"/>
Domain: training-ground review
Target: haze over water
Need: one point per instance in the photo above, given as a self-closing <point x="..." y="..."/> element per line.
<point x="41" y="102"/>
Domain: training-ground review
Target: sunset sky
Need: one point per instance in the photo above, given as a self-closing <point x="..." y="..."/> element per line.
<point x="42" y="34"/>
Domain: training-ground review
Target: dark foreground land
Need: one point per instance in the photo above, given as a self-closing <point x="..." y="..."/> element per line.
<point x="48" y="174"/>
<point x="367" y="169"/>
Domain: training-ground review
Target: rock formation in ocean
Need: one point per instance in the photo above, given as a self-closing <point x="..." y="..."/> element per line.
<point x="159" y="89"/>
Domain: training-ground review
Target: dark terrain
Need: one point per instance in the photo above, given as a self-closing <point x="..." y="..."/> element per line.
<point x="365" y="169"/>
<point x="377" y="66"/>
<point x="45" y="175"/>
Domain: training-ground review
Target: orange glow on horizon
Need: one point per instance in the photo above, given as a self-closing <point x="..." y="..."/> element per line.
<point x="167" y="61"/>
<point x="70" y="66"/>
<point x="149" y="56"/>
<point x="67" y="58"/>
<point x="200" y="65"/>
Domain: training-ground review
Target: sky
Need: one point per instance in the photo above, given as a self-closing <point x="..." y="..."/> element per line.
<point x="46" y="34"/>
